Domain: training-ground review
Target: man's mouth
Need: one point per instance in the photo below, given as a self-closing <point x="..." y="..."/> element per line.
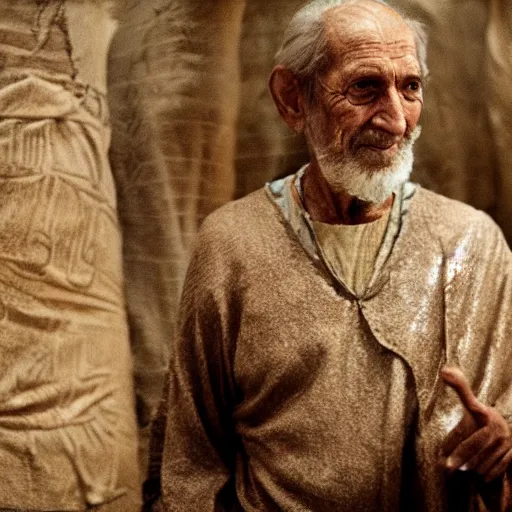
<point x="381" y="147"/>
<point x="377" y="142"/>
<point x="385" y="150"/>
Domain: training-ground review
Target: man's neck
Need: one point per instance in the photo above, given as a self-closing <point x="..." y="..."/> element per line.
<point x="324" y="205"/>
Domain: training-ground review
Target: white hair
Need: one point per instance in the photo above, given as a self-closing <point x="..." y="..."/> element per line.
<point x="304" y="50"/>
<point x="360" y="180"/>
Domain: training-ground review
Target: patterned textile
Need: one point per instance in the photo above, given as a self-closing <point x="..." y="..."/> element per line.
<point x="68" y="434"/>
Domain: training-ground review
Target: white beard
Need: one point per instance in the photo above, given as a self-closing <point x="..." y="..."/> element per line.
<point x="364" y="181"/>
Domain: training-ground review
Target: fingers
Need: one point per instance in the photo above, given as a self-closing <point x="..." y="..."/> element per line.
<point x="466" y="426"/>
<point x="482" y="440"/>
<point x="458" y="382"/>
<point x="470" y="452"/>
<point x="484" y="450"/>
<point x="491" y="457"/>
<point x="500" y="467"/>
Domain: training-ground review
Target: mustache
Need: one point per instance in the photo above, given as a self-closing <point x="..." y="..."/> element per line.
<point x="381" y="139"/>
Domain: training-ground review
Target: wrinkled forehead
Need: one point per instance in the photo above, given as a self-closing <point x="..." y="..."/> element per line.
<point x="368" y="28"/>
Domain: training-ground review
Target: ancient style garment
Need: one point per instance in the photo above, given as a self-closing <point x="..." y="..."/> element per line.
<point x="68" y="435"/>
<point x="350" y="250"/>
<point x="290" y="392"/>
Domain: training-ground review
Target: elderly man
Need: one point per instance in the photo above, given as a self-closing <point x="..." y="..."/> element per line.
<point x="328" y="319"/>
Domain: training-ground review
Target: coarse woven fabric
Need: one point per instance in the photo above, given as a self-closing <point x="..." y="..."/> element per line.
<point x="68" y="432"/>
<point x="258" y="385"/>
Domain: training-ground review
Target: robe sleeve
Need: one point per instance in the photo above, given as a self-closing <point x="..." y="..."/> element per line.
<point x="200" y="447"/>
<point x="479" y="334"/>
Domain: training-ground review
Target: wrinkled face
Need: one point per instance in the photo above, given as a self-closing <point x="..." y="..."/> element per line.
<point x="368" y="103"/>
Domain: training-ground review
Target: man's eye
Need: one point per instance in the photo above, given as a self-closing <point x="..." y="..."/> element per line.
<point x="363" y="91"/>
<point x="412" y="90"/>
<point x="365" y="85"/>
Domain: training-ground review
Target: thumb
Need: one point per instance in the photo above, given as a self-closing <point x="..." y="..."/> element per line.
<point x="454" y="378"/>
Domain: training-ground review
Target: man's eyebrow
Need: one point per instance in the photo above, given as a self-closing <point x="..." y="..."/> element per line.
<point x="367" y="72"/>
<point x="367" y="77"/>
<point x="413" y="76"/>
<point x="364" y="71"/>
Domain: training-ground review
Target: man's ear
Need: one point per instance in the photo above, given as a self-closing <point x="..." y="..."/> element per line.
<point x="288" y="97"/>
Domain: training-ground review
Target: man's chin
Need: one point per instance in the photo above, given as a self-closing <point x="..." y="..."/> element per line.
<point x="371" y="184"/>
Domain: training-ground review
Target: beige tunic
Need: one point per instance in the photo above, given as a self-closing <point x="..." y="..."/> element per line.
<point x="350" y="250"/>
<point x="287" y="391"/>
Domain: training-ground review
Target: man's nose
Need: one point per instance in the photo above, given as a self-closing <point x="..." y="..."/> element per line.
<point x="390" y="116"/>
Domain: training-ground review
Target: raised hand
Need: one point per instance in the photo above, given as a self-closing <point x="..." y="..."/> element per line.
<point x="482" y="440"/>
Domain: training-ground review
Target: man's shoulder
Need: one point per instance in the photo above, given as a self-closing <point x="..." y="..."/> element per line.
<point x="451" y="220"/>
<point x="449" y="212"/>
<point x="437" y="202"/>
<point x="246" y="214"/>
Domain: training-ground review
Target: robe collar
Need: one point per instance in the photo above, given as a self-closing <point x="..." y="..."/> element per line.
<point x="287" y="194"/>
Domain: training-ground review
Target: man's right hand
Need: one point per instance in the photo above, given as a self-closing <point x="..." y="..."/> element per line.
<point x="482" y="440"/>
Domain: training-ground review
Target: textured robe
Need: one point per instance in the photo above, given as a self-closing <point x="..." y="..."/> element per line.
<point x="260" y="378"/>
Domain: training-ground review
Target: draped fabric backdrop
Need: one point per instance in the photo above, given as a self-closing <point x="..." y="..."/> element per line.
<point x="68" y="431"/>
<point x="194" y="127"/>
